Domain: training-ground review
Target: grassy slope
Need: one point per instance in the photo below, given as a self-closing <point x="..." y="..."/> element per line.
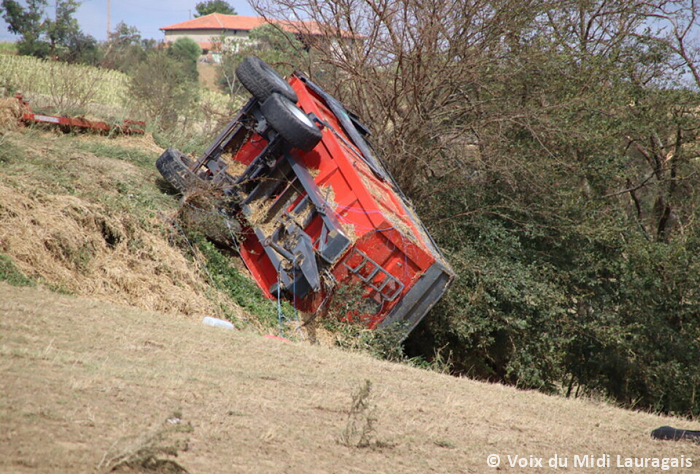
<point x="90" y="215"/>
<point x="82" y="382"/>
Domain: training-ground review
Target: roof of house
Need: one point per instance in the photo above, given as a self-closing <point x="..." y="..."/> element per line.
<point x="219" y="21"/>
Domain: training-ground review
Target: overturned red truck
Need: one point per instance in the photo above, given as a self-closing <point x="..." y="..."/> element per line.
<point x="313" y="207"/>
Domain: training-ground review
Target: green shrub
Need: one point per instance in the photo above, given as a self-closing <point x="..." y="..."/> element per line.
<point x="10" y="274"/>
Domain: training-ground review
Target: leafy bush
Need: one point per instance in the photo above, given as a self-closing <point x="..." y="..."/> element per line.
<point x="163" y="88"/>
<point x="186" y="51"/>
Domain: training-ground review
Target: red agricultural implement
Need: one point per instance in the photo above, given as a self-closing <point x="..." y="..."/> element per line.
<point x="314" y="208"/>
<point x="28" y="116"/>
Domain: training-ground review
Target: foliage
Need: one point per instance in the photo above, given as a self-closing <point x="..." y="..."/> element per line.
<point x="27" y="22"/>
<point x="81" y="48"/>
<point x="208" y="7"/>
<point x="186" y="51"/>
<point x="552" y="150"/>
<point x="270" y="43"/>
<point x="241" y="290"/>
<point x="163" y="88"/>
<point x="124" y="48"/>
<point x="45" y="36"/>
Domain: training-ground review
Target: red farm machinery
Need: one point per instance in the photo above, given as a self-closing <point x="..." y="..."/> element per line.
<point x="313" y="207"/>
<point x="68" y="124"/>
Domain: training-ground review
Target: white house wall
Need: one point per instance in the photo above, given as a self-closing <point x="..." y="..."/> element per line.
<point x="205" y="36"/>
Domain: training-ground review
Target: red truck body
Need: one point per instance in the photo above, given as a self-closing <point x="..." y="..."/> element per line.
<point x="312" y="221"/>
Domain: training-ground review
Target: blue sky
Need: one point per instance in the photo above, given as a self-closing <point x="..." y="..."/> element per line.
<point x="146" y="15"/>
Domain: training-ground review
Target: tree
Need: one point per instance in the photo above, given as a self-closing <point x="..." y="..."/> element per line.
<point x="28" y="22"/>
<point x="270" y="43"/>
<point x="552" y="150"/>
<point x="187" y="52"/>
<point x="82" y="48"/>
<point x="43" y="36"/>
<point x="214" y="6"/>
<point x="124" y="49"/>
<point x="163" y="88"/>
<point x="63" y="27"/>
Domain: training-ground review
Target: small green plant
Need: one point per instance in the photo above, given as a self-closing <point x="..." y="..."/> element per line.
<point x="9" y="152"/>
<point x="10" y="273"/>
<point x="359" y="429"/>
<point x="346" y="302"/>
<point x="241" y="290"/>
<point x="441" y="363"/>
<point x="443" y="443"/>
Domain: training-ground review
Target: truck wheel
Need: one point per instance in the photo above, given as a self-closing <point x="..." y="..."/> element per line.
<point x="291" y="122"/>
<point x="175" y="168"/>
<point x="262" y="81"/>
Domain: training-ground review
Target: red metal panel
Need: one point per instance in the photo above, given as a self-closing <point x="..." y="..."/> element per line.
<point x="369" y="209"/>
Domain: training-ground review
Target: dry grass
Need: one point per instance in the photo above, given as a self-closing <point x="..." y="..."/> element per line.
<point x="235" y="168"/>
<point x="208" y="76"/>
<point x="328" y="194"/>
<point x="10" y="113"/>
<point x="93" y="225"/>
<point x="82" y="381"/>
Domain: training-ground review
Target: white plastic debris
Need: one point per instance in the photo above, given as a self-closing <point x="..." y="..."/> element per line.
<point x="217" y="323"/>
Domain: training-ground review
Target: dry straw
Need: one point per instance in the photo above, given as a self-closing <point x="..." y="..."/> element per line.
<point x="77" y="245"/>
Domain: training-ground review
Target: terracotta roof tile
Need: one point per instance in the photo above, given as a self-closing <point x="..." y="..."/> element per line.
<point x="219" y="21"/>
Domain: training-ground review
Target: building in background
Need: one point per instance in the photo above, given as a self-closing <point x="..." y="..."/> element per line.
<point x="210" y="30"/>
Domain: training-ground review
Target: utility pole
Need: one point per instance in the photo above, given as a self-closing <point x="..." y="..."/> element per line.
<point x="109" y="17"/>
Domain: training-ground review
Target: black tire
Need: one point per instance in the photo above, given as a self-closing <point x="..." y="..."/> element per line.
<point x="262" y="80"/>
<point x="291" y="122"/>
<point x="176" y="169"/>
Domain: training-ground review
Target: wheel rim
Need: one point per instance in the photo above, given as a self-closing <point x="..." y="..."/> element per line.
<point x="298" y="113"/>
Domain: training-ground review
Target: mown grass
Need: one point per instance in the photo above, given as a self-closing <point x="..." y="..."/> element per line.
<point x="116" y="180"/>
<point x="136" y="157"/>
<point x="9" y="152"/>
<point x="95" y="382"/>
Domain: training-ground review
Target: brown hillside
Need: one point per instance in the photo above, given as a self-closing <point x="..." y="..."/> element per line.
<point x="88" y="215"/>
<point x="88" y="387"/>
